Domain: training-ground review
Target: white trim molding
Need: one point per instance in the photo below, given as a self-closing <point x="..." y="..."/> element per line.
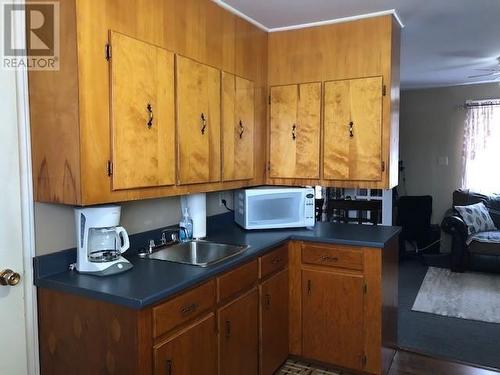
<point x="238" y="13"/>
<point x="27" y="204"/>
<point x="339" y="20"/>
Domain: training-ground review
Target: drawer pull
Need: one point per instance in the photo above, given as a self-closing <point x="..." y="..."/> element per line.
<point x="277" y="260"/>
<point x="228" y="329"/>
<point x="326" y="258"/>
<point x="188" y="309"/>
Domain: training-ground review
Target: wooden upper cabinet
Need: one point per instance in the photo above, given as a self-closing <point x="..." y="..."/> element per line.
<point x="352" y="139"/>
<point x="237" y="128"/>
<point x="198" y="122"/>
<point x="333" y="318"/>
<point x="142" y="114"/>
<point x="295" y="131"/>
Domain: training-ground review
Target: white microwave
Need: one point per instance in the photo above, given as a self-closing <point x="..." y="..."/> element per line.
<point x="274" y="207"/>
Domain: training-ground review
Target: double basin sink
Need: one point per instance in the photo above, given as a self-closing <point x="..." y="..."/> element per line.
<point x="198" y="252"/>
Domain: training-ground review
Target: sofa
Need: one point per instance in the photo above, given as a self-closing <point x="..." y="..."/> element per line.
<point x="473" y="252"/>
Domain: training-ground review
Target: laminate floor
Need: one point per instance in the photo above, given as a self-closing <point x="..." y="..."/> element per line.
<point x="404" y="363"/>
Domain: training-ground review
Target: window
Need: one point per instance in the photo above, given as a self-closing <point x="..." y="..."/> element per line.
<point x="481" y="148"/>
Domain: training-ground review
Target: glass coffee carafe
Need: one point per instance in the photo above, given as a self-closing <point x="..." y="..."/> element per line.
<point x="107" y="244"/>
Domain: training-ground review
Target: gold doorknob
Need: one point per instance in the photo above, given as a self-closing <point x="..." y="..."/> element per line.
<point x="9" y="277"/>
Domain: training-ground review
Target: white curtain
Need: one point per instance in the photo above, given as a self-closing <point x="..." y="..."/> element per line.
<point x="481" y="149"/>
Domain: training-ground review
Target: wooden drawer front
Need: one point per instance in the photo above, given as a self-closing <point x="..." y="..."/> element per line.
<point x="274" y="261"/>
<point x="238" y="280"/>
<point x="183" y="308"/>
<point x="334" y="256"/>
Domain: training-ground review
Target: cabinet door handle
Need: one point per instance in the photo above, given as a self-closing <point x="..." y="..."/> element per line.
<point x="228" y="329"/>
<point x="168" y="366"/>
<point x="294" y="135"/>
<point x="242" y="129"/>
<point x="309" y="287"/>
<point x="203" y="123"/>
<point x="351" y="129"/>
<point x="267" y="301"/>
<point x="149" y="108"/>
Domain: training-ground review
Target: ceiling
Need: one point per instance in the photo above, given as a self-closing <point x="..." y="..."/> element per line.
<point x="443" y="41"/>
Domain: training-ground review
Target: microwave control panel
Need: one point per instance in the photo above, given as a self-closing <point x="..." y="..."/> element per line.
<point x="310" y="209"/>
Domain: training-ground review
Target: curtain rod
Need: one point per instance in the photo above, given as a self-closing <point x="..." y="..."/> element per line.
<point x="481" y="103"/>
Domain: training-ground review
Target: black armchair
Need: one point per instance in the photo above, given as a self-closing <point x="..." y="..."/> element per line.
<point x="477" y="255"/>
<point x="456" y="227"/>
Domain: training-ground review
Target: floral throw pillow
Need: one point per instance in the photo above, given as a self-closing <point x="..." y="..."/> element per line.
<point x="476" y="217"/>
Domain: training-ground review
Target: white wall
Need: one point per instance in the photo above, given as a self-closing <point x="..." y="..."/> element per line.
<point x="55" y="228"/>
<point x="431" y="126"/>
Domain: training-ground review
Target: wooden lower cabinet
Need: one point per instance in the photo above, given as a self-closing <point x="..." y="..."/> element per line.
<point x="334" y="304"/>
<point x="274" y="322"/>
<point x="239" y="335"/>
<point x="333" y="318"/>
<point x="191" y="351"/>
<point x="343" y="304"/>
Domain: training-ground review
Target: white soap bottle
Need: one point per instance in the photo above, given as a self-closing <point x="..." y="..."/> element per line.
<point x="186" y="227"/>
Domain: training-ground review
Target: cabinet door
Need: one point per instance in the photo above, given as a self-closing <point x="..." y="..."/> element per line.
<point x="353" y="130"/>
<point x="238" y="128"/>
<point x="295" y="131"/>
<point x="198" y="122"/>
<point x="332" y="318"/>
<point x="239" y="338"/>
<point x="142" y="114"/>
<point x="274" y="321"/>
<point x="192" y="351"/>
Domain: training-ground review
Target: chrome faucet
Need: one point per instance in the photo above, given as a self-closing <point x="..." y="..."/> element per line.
<point x="169" y="237"/>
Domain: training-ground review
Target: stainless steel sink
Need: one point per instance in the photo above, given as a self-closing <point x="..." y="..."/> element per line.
<point x="198" y="253"/>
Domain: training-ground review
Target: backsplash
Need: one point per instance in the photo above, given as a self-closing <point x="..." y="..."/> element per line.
<point x="55" y="226"/>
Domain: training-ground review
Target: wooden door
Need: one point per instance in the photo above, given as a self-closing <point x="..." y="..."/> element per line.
<point x="192" y="351"/>
<point x="239" y="337"/>
<point x="238" y="128"/>
<point x="198" y="122"/>
<point x="142" y="114"/>
<point x="332" y="318"/>
<point x="274" y="322"/>
<point x="353" y="130"/>
<point x="295" y="131"/>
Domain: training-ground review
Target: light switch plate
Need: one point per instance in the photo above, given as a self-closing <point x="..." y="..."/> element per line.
<point x="443" y="161"/>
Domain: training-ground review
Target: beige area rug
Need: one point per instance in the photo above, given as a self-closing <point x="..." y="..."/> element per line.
<point x="470" y="295"/>
<point x="292" y="367"/>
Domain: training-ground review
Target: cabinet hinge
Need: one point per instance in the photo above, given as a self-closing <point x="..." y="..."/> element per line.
<point x="110" y="168"/>
<point x="384" y="90"/>
<point x="382" y="167"/>
<point x="363" y="361"/>
<point x="107" y="51"/>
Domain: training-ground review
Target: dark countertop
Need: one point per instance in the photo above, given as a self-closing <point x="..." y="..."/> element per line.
<point x="151" y="281"/>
